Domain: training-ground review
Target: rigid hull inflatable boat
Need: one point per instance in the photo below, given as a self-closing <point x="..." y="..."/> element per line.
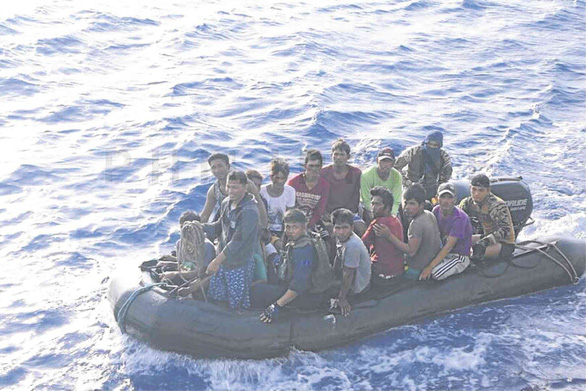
<point x="206" y="330"/>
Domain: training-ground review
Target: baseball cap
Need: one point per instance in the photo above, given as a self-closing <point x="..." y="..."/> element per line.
<point x="446" y="188"/>
<point x="480" y="180"/>
<point x="386" y="153"/>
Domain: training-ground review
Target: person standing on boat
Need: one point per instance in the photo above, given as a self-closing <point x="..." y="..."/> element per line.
<point x="424" y="240"/>
<point x="382" y="174"/>
<point x="427" y="164"/>
<point x="220" y="166"/>
<point x="295" y="275"/>
<point x="387" y="260"/>
<point x="237" y="232"/>
<point x="494" y="236"/>
<point x="352" y="262"/>
<point x="456" y="233"/>
<point x="344" y="180"/>
<point x="311" y="190"/>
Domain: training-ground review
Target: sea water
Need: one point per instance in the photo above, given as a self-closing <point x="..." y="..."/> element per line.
<point x="109" y="110"/>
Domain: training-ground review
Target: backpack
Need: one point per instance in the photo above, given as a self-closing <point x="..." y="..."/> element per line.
<point x="322" y="275"/>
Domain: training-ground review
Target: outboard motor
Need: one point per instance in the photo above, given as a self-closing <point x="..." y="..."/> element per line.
<point x="514" y="192"/>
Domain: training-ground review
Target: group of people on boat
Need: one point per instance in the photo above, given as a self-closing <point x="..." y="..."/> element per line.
<point x="333" y="233"/>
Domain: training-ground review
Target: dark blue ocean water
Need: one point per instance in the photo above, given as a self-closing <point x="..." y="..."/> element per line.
<point x="108" y="113"/>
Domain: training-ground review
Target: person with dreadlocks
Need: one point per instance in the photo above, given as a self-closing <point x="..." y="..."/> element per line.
<point x="168" y="263"/>
<point x="194" y="253"/>
<point x="427" y="164"/>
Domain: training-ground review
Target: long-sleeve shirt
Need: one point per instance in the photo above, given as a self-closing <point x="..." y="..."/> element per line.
<point x="311" y="201"/>
<point x="236" y="230"/>
<point x="370" y="179"/>
<point x="412" y="158"/>
<point x="495" y="217"/>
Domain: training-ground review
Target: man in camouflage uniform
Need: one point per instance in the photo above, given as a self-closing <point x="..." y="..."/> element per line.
<point x="494" y="235"/>
<point x="427" y="164"/>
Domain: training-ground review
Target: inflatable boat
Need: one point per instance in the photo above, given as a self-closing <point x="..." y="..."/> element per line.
<point x="201" y="329"/>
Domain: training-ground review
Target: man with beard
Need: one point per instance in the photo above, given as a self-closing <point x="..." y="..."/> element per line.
<point x="387" y="260"/>
<point x="427" y="164"/>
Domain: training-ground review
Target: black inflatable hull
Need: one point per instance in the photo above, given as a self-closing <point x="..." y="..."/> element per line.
<point x="206" y="330"/>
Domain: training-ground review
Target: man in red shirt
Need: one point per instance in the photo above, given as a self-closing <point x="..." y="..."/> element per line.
<point x="311" y="190"/>
<point x="387" y="260"/>
<point x="344" y="180"/>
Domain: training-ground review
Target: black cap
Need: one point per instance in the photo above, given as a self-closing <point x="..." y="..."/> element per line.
<point x="480" y="180"/>
<point x="446" y="188"/>
<point x="386" y="153"/>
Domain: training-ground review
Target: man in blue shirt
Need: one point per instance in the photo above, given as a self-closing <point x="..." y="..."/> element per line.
<point x="237" y="232"/>
<point x="295" y="271"/>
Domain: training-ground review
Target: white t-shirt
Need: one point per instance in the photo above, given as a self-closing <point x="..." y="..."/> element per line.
<point x="277" y="206"/>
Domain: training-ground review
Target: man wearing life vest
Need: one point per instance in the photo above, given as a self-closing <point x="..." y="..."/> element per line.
<point x="494" y="236"/>
<point x="295" y="271"/>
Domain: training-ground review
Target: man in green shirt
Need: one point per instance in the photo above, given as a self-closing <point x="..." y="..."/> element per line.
<point x="383" y="174"/>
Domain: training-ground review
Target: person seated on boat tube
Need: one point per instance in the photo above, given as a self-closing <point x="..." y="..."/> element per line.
<point x="351" y="263"/>
<point x="279" y="198"/>
<point x="194" y="253"/>
<point x="423" y="236"/>
<point x="494" y="236"/>
<point x="344" y="180"/>
<point x="427" y="164"/>
<point x="387" y="260"/>
<point x="312" y="191"/>
<point x="382" y="174"/>
<point x="237" y="234"/>
<point x="294" y="273"/>
<point x="169" y="263"/>
<point x="456" y="233"/>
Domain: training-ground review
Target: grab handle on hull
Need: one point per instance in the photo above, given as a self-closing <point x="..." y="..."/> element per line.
<point x="569" y="268"/>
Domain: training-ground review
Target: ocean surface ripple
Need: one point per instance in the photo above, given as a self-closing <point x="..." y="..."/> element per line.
<point x="109" y="112"/>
